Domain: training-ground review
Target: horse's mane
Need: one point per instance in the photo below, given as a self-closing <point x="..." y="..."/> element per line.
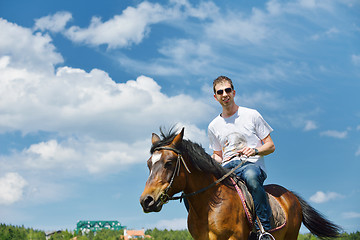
<point x="196" y="153"/>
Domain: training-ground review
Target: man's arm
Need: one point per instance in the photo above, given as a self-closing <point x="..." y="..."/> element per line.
<point x="217" y="155"/>
<point x="265" y="149"/>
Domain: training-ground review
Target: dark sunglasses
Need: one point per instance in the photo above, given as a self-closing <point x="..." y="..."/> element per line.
<point x="221" y="91"/>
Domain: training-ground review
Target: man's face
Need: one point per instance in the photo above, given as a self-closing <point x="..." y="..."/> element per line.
<point x="224" y="94"/>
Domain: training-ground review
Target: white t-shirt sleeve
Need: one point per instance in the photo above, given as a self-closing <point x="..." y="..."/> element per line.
<point x="263" y="129"/>
<point x="214" y="143"/>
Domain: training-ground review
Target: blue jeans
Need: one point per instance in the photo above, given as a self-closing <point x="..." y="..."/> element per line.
<point x="254" y="177"/>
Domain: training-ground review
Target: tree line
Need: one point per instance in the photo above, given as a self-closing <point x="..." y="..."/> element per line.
<point x="9" y="232"/>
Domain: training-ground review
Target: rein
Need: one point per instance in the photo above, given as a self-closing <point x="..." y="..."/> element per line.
<point x="165" y="198"/>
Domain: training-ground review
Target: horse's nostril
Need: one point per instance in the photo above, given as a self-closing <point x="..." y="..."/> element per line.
<point x="148" y="201"/>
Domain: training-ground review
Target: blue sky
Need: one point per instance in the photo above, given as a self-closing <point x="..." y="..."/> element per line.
<point x="84" y="84"/>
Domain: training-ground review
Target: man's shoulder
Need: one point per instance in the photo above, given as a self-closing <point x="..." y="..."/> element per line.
<point x="248" y="111"/>
<point x="216" y="120"/>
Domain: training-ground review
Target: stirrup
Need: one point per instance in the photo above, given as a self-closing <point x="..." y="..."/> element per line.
<point x="262" y="231"/>
<point x="263" y="234"/>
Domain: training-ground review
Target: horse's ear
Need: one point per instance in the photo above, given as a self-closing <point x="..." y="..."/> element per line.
<point x="155" y="138"/>
<point x="178" y="139"/>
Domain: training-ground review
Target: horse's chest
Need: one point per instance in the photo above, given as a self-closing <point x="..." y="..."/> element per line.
<point x="219" y="224"/>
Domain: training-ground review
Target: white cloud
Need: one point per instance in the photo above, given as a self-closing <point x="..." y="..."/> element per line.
<point x="329" y="33"/>
<point x="273" y="72"/>
<point x="239" y="28"/>
<point x="274" y="7"/>
<point x="260" y="98"/>
<point x="357" y="153"/>
<point x="332" y="31"/>
<point x="202" y="11"/>
<point x="234" y="28"/>
<point x="302" y="5"/>
<point x="128" y="28"/>
<point x="351" y="215"/>
<point x="173" y="224"/>
<point x="351" y="3"/>
<point x="321" y="197"/>
<point x="311" y="4"/>
<point x="187" y="56"/>
<point x="308" y="3"/>
<point x="310" y="125"/>
<point x="335" y="134"/>
<point x="355" y="59"/>
<point x="179" y="57"/>
<point x="27" y="50"/>
<point x="54" y="23"/>
<point x="73" y="101"/>
<point x="122" y="30"/>
<point x="72" y="154"/>
<point x="100" y="123"/>
<point x="195" y="134"/>
<point x="158" y="67"/>
<point x="90" y="155"/>
<point x="11" y="188"/>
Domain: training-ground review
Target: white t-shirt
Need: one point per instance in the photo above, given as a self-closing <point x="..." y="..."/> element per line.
<point x="245" y="128"/>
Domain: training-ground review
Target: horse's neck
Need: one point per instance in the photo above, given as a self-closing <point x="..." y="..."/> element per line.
<point x="196" y="182"/>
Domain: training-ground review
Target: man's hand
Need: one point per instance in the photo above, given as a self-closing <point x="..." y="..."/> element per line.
<point x="217" y="155"/>
<point x="248" y="152"/>
<point x="265" y="149"/>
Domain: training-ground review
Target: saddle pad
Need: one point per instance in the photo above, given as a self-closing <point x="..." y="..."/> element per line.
<point x="277" y="219"/>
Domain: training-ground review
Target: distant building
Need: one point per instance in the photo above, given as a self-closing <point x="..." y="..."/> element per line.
<point x="94" y="226"/>
<point x="135" y="234"/>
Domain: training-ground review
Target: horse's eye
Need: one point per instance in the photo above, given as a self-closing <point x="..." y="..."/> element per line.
<point x="169" y="164"/>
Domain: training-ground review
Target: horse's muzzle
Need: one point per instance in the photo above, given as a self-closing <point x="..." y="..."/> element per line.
<point x="150" y="204"/>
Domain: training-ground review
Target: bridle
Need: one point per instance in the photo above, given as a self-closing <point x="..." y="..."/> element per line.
<point x="165" y="198"/>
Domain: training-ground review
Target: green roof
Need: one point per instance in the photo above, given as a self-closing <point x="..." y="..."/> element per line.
<point x="94" y="226"/>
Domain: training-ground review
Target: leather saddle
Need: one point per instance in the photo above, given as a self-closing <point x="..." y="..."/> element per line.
<point x="277" y="218"/>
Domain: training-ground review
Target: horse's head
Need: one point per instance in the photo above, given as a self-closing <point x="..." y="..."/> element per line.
<point x="166" y="175"/>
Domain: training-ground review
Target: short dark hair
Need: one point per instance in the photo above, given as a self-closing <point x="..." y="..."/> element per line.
<point x="222" y="79"/>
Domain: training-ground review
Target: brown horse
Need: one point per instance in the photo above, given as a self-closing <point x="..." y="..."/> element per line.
<point x="216" y="212"/>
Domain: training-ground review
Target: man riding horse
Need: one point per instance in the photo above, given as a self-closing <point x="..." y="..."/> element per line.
<point x="240" y="135"/>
